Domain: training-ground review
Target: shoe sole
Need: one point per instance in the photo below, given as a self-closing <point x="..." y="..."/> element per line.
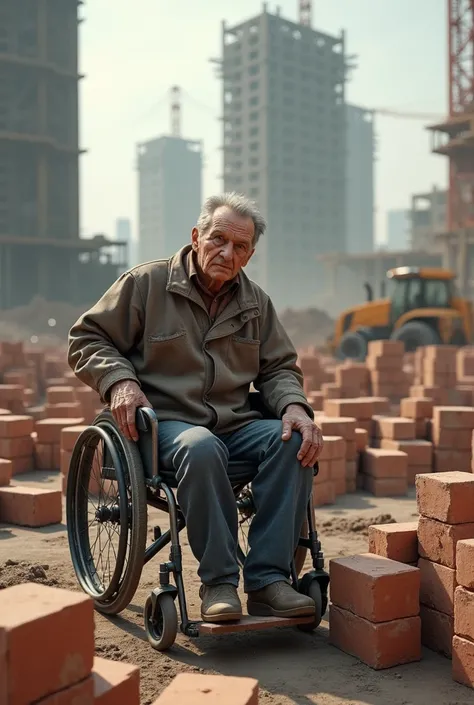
<point x="260" y="609"/>
<point x="223" y="617"/>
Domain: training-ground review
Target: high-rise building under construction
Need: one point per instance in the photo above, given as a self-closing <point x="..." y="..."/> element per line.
<point x="284" y="145"/>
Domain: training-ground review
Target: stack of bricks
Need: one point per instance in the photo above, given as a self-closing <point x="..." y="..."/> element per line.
<point x="446" y="506"/>
<point x="58" y="673"/>
<point x="385" y="362"/>
<point x="89" y="403"/>
<point x="451" y="434"/>
<point x="399" y="434"/>
<point x="48" y="441"/>
<point x="436" y="368"/>
<point x="397" y="541"/>
<point x="68" y="438"/>
<point x="351" y="379"/>
<point x="16" y="442"/>
<point x="465" y="372"/>
<point x="61" y="403"/>
<point x="463" y="640"/>
<point x="420" y="411"/>
<point x="359" y="409"/>
<point x="374" y="611"/>
<point x="12" y="398"/>
<point x="331" y="478"/>
<point x="346" y="429"/>
<point x="384" y="473"/>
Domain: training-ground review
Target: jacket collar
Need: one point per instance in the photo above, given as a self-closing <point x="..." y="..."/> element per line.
<point x="180" y="283"/>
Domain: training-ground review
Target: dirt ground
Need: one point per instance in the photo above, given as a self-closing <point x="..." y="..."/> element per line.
<point x="292" y="667"/>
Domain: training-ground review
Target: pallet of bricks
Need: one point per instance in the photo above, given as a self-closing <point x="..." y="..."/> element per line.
<point x="441" y="543"/>
<point x="64" y="669"/>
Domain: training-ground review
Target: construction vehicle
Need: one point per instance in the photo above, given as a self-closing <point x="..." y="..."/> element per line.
<point x="422" y="309"/>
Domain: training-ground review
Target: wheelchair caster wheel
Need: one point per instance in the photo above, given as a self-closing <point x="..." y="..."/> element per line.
<point x="161" y="622"/>
<point x="313" y="590"/>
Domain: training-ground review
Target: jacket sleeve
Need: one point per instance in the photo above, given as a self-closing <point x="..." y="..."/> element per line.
<point x="100" y="340"/>
<point x="280" y="381"/>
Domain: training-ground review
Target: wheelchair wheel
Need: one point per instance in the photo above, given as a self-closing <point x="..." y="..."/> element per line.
<point x="106" y="515"/>
<point x="314" y="591"/>
<point x="161" y="622"/>
<point x="246" y="511"/>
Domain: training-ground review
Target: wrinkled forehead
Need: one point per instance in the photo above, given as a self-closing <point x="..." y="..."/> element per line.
<point x="232" y="225"/>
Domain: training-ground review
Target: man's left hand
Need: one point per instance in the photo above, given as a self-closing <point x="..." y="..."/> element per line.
<point x="295" y="418"/>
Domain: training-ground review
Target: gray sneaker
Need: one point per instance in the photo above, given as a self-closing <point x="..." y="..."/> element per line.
<point x="220" y="603"/>
<point x="279" y="600"/>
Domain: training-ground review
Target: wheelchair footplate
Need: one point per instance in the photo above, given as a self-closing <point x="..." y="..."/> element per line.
<point x="250" y="624"/>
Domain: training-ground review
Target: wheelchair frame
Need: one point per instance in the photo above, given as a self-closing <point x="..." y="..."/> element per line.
<point x="159" y="494"/>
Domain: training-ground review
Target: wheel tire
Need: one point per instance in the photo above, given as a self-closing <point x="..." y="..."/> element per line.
<point x="129" y="476"/>
<point x="161" y="627"/>
<point x="415" y="334"/>
<point x="314" y="591"/>
<point x="353" y="345"/>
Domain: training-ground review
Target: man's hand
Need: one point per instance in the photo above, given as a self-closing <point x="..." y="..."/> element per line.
<point x="295" y="418"/>
<point x="125" y="398"/>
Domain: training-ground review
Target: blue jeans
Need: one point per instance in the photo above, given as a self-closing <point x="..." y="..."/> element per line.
<point x="281" y="490"/>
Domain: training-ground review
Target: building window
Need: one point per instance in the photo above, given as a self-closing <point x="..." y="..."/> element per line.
<point x="254" y="86"/>
<point x="254" y="161"/>
<point x="253" y="115"/>
<point x="253" y="70"/>
<point x="253" y="146"/>
<point x="254" y="100"/>
<point x="253" y="131"/>
<point x="254" y="192"/>
<point x="253" y="55"/>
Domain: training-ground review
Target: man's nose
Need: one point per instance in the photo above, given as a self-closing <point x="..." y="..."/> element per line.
<point x="228" y="250"/>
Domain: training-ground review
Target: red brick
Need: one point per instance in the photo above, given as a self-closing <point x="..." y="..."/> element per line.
<point x="80" y="694"/>
<point x="385" y="486"/>
<point x="16" y="447"/>
<point x="455" y="438"/>
<point x="343" y="426"/>
<point x="5" y="472"/>
<point x="395" y="541"/>
<point x="49" y="430"/>
<point x="21" y="465"/>
<point x="197" y="689"/>
<point x="384" y="463"/>
<point x="386" y="348"/>
<point x="397" y="429"/>
<point x="437" y="631"/>
<point x="70" y="435"/>
<point x="30" y="506"/>
<point x="445" y="460"/>
<point x="447" y="496"/>
<point x="16" y="426"/>
<point x="378" y="645"/>
<point x="354" y="408"/>
<point x="464" y="613"/>
<point x="437" y="586"/>
<point x="65" y="657"/>
<point x="421" y="428"/>
<point x="5" y="412"/>
<point x="115" y="682"/>
<point x="351" y="470"/>
<point x="334" y="447"/>
<point x="337" y="469"/>
<point x="324" y="493"/>
<point x="453" y="417"/>
<point x="374" y="587"/>
<point x="380" y="405"/>
<point x="465" y="563"/>
<point x="351" y="450"/>
<point x="59" y="395"/>
<point x="416" y="407"/>
<point x="419" y="453"/>
<point x="437" y="540"/>
<point x="65" y="462"/>
<point x="362" y="439"/>
<point x="463" y="661"/>
<point x="44" y="456"/>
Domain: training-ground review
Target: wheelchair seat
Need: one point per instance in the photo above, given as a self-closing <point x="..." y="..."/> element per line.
<point x="240" y="473"/>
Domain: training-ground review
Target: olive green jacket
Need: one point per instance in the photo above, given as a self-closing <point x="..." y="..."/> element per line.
<point x="152" y="326"/>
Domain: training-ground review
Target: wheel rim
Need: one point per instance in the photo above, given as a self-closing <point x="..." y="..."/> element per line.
<point x="99" y="505"/>
<point x="246" y="510"/>
<point x="154" y="620"/>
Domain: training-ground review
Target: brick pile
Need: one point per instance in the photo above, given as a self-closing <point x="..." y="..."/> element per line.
<point x="451" y="433"/>
<point x="346" y="429"/>
<point x="384" y="473"/>
<point x="16" y="442"/>
<point x="48" y="445"/>
<point x="463" y="640"/>
<point x="436" y="376"/>
<point x="65" y="670"/>
<point x="359" y="409"/>
<point x="330" y="482"/>
<point x="399" y="434"/>
<point x="446" y="506"/>
<point x="420" y="411"/>
<point x="385" y="363"/>
<point x="374" y="611"/>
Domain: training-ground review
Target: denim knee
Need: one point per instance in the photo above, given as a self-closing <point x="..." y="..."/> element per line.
<point x="201" y="451"/>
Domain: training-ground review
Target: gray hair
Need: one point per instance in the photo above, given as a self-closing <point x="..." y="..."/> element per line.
<point x="237" y="202"/>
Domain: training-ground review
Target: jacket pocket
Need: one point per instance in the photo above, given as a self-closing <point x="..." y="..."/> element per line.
<point x="169" y="355"/>
<point x="243" y="358"/>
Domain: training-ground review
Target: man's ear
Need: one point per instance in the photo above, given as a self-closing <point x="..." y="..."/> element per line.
<point x="194" y="238"/>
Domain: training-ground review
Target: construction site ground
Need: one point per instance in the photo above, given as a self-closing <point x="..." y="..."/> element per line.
<point x="292" y="667"/>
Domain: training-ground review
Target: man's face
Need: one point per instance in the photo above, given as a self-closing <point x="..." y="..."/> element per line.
<point x="225" y="247"/>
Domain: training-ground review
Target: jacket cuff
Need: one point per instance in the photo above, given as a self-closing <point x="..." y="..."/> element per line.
<point x="294" y="399"/>
<point x="111" y="378"/>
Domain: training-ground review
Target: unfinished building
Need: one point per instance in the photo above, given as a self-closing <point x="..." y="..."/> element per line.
<point x="284" y="145"/>
<point x="40" y="248"/>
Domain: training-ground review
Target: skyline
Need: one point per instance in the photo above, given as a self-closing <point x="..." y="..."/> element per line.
<point x="130" y="65"/>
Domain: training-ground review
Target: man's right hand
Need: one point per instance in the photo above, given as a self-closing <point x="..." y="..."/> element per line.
<point x="125" y="398"/>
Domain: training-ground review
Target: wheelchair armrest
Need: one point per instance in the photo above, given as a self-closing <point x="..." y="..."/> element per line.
<point x="146" y="419"/>
<point x="147" y="427"/>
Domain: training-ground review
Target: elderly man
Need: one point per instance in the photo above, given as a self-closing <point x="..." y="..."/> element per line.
<point x="187" y="337"/>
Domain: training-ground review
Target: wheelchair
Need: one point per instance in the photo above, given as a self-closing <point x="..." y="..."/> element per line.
<point x="110" y="483"/>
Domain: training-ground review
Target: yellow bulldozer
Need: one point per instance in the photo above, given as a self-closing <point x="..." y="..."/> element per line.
<point x="421" y="308"/>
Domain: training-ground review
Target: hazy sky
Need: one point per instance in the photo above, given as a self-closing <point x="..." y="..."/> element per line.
<point x="132" y="53"/>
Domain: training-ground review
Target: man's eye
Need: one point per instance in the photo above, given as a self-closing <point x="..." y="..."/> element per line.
<point x="218" y="239"/>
